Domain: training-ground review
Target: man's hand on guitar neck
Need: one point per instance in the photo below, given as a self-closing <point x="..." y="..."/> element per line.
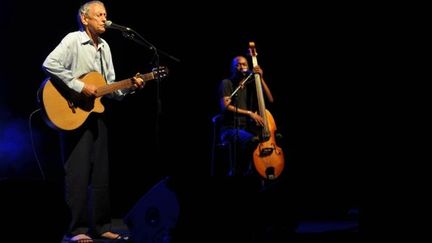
<point x="138" y="81"/>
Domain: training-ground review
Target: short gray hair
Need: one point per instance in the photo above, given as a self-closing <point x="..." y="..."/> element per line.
<point x="84" y="9"/>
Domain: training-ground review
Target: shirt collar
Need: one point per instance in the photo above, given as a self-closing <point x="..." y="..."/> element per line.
<point x="85" y="39"/>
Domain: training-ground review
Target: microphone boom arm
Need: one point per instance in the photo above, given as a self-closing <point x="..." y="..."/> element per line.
<point x="241" y="85"/>
<point x="130" y="34"/>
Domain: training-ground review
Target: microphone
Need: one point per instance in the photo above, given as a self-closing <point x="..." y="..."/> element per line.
<point x="245" y="72"/>
<point x="110" y="25"/>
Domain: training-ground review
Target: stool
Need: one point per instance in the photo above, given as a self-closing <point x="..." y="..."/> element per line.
<point x="221" y="155"/>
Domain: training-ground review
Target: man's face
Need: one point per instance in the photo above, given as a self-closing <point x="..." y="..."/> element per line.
<point x="96" y="17"/>
<point x="240" y="64"/>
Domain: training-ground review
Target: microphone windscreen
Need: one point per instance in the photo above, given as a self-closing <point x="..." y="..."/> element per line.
<point x="108" y="23"/>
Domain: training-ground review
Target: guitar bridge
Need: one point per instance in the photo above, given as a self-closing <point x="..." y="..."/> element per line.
<point x="266" y="151"/>
<point x="71" y="105"/>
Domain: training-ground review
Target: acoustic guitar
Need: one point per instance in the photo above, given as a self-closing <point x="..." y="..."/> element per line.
<point x="65" y="109"/>
<point x="268" y="157"/>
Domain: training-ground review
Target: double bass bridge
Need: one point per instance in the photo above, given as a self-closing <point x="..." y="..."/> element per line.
<point x="266" y="151"/>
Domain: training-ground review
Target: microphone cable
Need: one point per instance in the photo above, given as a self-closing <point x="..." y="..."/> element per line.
<point x="33" y="144"/>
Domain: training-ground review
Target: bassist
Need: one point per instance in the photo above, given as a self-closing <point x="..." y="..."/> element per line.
<point x="239" y="114"/>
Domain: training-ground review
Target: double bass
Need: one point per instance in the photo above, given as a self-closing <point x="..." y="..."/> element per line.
<point x="268" y="157"/>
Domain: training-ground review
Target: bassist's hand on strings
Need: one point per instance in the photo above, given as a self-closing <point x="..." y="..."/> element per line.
<point x="257" y="118"/>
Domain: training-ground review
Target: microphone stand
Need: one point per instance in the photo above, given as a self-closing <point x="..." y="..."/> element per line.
<point x="132" y="34"/>
<point x="236" y="125"/>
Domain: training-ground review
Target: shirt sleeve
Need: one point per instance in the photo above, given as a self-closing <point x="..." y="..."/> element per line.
<point x="58" y="64"/>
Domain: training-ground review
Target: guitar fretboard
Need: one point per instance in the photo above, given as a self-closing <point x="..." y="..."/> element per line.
<point x="122" y="84"/>
<point x="261" y="105"/>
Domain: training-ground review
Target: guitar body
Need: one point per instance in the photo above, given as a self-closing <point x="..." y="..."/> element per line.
<point x="65" y="109"/>
<point x="68" y="110"/>
<point x="268" y="158"/>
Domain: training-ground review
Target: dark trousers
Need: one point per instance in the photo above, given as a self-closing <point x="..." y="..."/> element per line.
<point x="85" y="152"/>
<point x="242" y="146"/>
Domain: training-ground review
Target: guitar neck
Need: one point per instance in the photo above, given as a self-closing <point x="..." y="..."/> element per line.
<point x="122" y="84"/>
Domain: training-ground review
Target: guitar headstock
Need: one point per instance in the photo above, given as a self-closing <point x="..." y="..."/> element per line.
<point x="160" y="71"/>
<point x="252" y="50"/>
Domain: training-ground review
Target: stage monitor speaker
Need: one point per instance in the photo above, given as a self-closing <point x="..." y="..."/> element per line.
<point x="154" y="216"/>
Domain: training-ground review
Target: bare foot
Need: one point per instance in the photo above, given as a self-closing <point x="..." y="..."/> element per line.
<point x="110" y="235"/>
<point x="81" y="238"/>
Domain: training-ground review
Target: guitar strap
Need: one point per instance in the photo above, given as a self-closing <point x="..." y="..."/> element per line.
<point x="101" y="63"/>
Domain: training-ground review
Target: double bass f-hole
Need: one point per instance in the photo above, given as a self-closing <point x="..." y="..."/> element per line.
<point x="268" y="158"/>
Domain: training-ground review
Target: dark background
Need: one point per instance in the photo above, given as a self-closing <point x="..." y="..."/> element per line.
<point x="313" y="57"/>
